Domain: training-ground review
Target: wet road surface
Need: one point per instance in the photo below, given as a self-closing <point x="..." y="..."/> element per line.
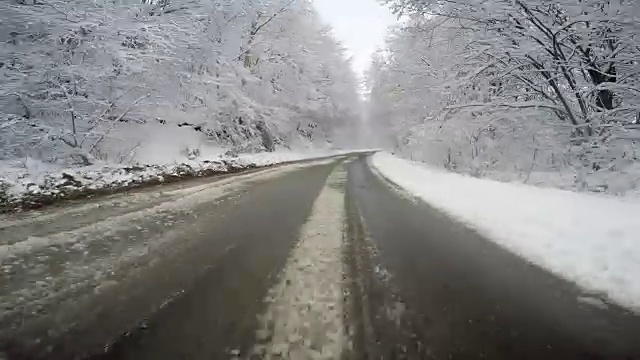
<point x="317" y="260"/>
<point x="465" y="297"/>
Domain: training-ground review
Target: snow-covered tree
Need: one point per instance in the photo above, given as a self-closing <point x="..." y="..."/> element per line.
<point x="114" y="80"/>
<point x="515" y="86"/>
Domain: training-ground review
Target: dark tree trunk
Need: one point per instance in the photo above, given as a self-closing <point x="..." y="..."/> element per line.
<point x="605" y="98"/>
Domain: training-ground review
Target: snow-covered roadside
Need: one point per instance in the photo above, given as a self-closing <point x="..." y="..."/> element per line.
<point x="591" y="240"/>
<point x="26" y="187"/>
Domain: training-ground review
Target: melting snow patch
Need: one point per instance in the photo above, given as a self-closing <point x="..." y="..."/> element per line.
<point x="30" y="244"/>
<point x="591" y="240"/>
<point x="592" y="301"/>
<point x="304" y="319"/>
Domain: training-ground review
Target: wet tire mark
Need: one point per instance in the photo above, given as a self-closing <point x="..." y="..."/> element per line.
<point x="379" y="322"/>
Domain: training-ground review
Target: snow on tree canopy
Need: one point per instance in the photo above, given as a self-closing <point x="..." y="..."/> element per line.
<point x="158" y="80"/>
<point x="536" y="91"/>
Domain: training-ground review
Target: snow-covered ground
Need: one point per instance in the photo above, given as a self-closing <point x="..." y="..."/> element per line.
<point x="29" y="183"/>
<point x="591" y="240"/>
<point x="623" y="184"/>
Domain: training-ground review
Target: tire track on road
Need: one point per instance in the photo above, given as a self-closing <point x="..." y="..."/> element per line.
<point x="304" y="318"/>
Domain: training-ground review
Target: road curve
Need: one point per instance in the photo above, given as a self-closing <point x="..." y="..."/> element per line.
<point x="322" y="260"/>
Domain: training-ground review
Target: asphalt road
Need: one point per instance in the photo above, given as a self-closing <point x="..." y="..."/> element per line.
<point x="319" y="260"/>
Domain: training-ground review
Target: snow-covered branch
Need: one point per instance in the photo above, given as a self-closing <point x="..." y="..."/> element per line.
<point x="565" y="71"/>
<point x="89" y="78"/>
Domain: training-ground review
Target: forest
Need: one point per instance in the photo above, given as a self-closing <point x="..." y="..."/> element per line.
<point x="534" y="91"/>
<point x="157" y="81"/>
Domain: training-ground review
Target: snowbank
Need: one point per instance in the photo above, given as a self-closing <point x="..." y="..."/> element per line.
<point x="591" y="240"/>
<point x="30" y="185"/>
<point x="620" y="182"/>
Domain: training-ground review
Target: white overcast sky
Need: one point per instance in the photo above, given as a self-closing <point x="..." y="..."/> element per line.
<point x="360" y="25"/>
